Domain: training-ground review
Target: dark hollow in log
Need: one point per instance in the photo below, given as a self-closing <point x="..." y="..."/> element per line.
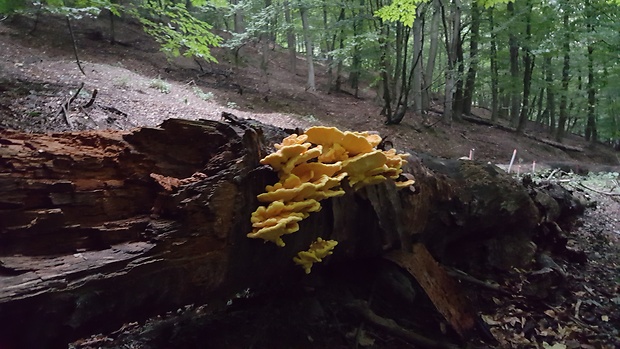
<point x="105" y="227"/>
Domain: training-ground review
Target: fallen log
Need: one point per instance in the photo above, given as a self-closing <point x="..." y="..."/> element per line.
<point x="102" y="228"/>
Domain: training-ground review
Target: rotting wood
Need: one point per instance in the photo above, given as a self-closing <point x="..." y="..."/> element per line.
<point x="442" y="290"/>
<point x="94" y="226"/>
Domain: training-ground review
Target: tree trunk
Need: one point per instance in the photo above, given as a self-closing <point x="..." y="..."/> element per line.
<point x="416" y="60"/>
<point x="356" y="59"/>
<point x="432" y="56"/>
<point x="452" y="27"/>
<point x="565" y="78"/>
<point x="550" y="101"/>
<point x="103" y="228"/>
<point x="494" y="69"/>
<point x="528" y="67"/>
<point x="290" y="38"/>
<point x="458" y="94"/>
<point x="470" y="83"/>
<point x="310" y="85"/>
<point x="514" y="68"/>
<point x="239" y="24"/>
<point x="109" y="227"/>
<point x="590" y="131"/>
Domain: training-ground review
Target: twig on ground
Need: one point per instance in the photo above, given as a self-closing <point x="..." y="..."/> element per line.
<point x="64" y="108"/>
<point x="92" y="99"/>
<point x="599" y="191"/>
<point x="461" y="275"/>
<point x="552" y="174"/>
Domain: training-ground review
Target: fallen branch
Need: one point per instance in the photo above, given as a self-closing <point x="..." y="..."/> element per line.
<point x="389" y="325"/>
<point x="92" y="99"/>
<point x="555" y="144"/>
<point x="461" y="275"/>
<point x="478" y="120"/>
<point x="113" y="110"/>
<point x="599" y="191"/>
<point x="64" y="108"/>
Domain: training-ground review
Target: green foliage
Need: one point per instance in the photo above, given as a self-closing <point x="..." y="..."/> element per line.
<point x="491" y="3"/>
<point x="10" y="6"/>
<point x="205" y="96"/>
<point x="160" y="85"/>
<point x="400" y="11"/>
<point x="177" y="30"/>
<point x="258" y="24"/>
<point x="171" y="24"/>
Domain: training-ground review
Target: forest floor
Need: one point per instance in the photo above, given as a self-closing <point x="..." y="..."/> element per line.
<point x="137" y="86"/>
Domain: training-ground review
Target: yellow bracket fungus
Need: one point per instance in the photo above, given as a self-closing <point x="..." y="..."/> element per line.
<point x="317" y="251"/>
<point x="311" y="168"/>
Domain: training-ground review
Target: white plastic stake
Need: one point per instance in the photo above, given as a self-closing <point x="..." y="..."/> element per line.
<point x="533" y="166"/>
<point x="514" y="155"/>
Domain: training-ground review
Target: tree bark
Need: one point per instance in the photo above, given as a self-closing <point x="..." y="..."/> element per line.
<point x="432" y="56"/>
<point x="514" y="68"/>
<point x="290" y="38"/>
<point x="310" y="85"/>
<point x="494" y="69"/>
<point x="550" y="101"/>
<point x="452" y="27"/>
<point x="470" y="83"/>
<point x="528" y="67"/>
<point x="591" y="133"/>
<point x="561" y="129"/>
<point x="106" y="227"/>
<point x="416" y="59"/>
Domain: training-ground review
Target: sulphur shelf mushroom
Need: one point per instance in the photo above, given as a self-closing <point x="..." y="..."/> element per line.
<point x="311" y="168"/>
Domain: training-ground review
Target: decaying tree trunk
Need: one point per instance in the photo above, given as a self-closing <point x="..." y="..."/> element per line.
<point x="104" y="227"/>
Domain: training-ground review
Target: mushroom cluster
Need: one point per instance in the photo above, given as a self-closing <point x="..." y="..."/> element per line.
<point x="311" y="167"/>
<point x="317" y="251"/>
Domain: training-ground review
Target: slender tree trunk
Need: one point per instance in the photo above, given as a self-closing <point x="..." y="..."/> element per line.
<point x="528" y="67"/>
<point x="416" y="58"/>
<point x="458" y="93"/>
<point x="590" y="131"/>
<point x="387" y="98"/>
<point x="504" y="108"/>
<point x="264" y="38"/>
<point x="432" y="56"/>
<point x="565" y="77"/>
<point x="550" y="102"/>
<point x="239" y="25"/>
<point x="309" y="54"/>
<point x="356" y="59"/>
<point x="540" y="112"/>
<point x="470" y="83"/>
<point x="338" y="83"/>
<point x="514" y="68"/>
<point x="452" y="27"/>
<point x="290" y="38"/>
<point x="494" y="69"/>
